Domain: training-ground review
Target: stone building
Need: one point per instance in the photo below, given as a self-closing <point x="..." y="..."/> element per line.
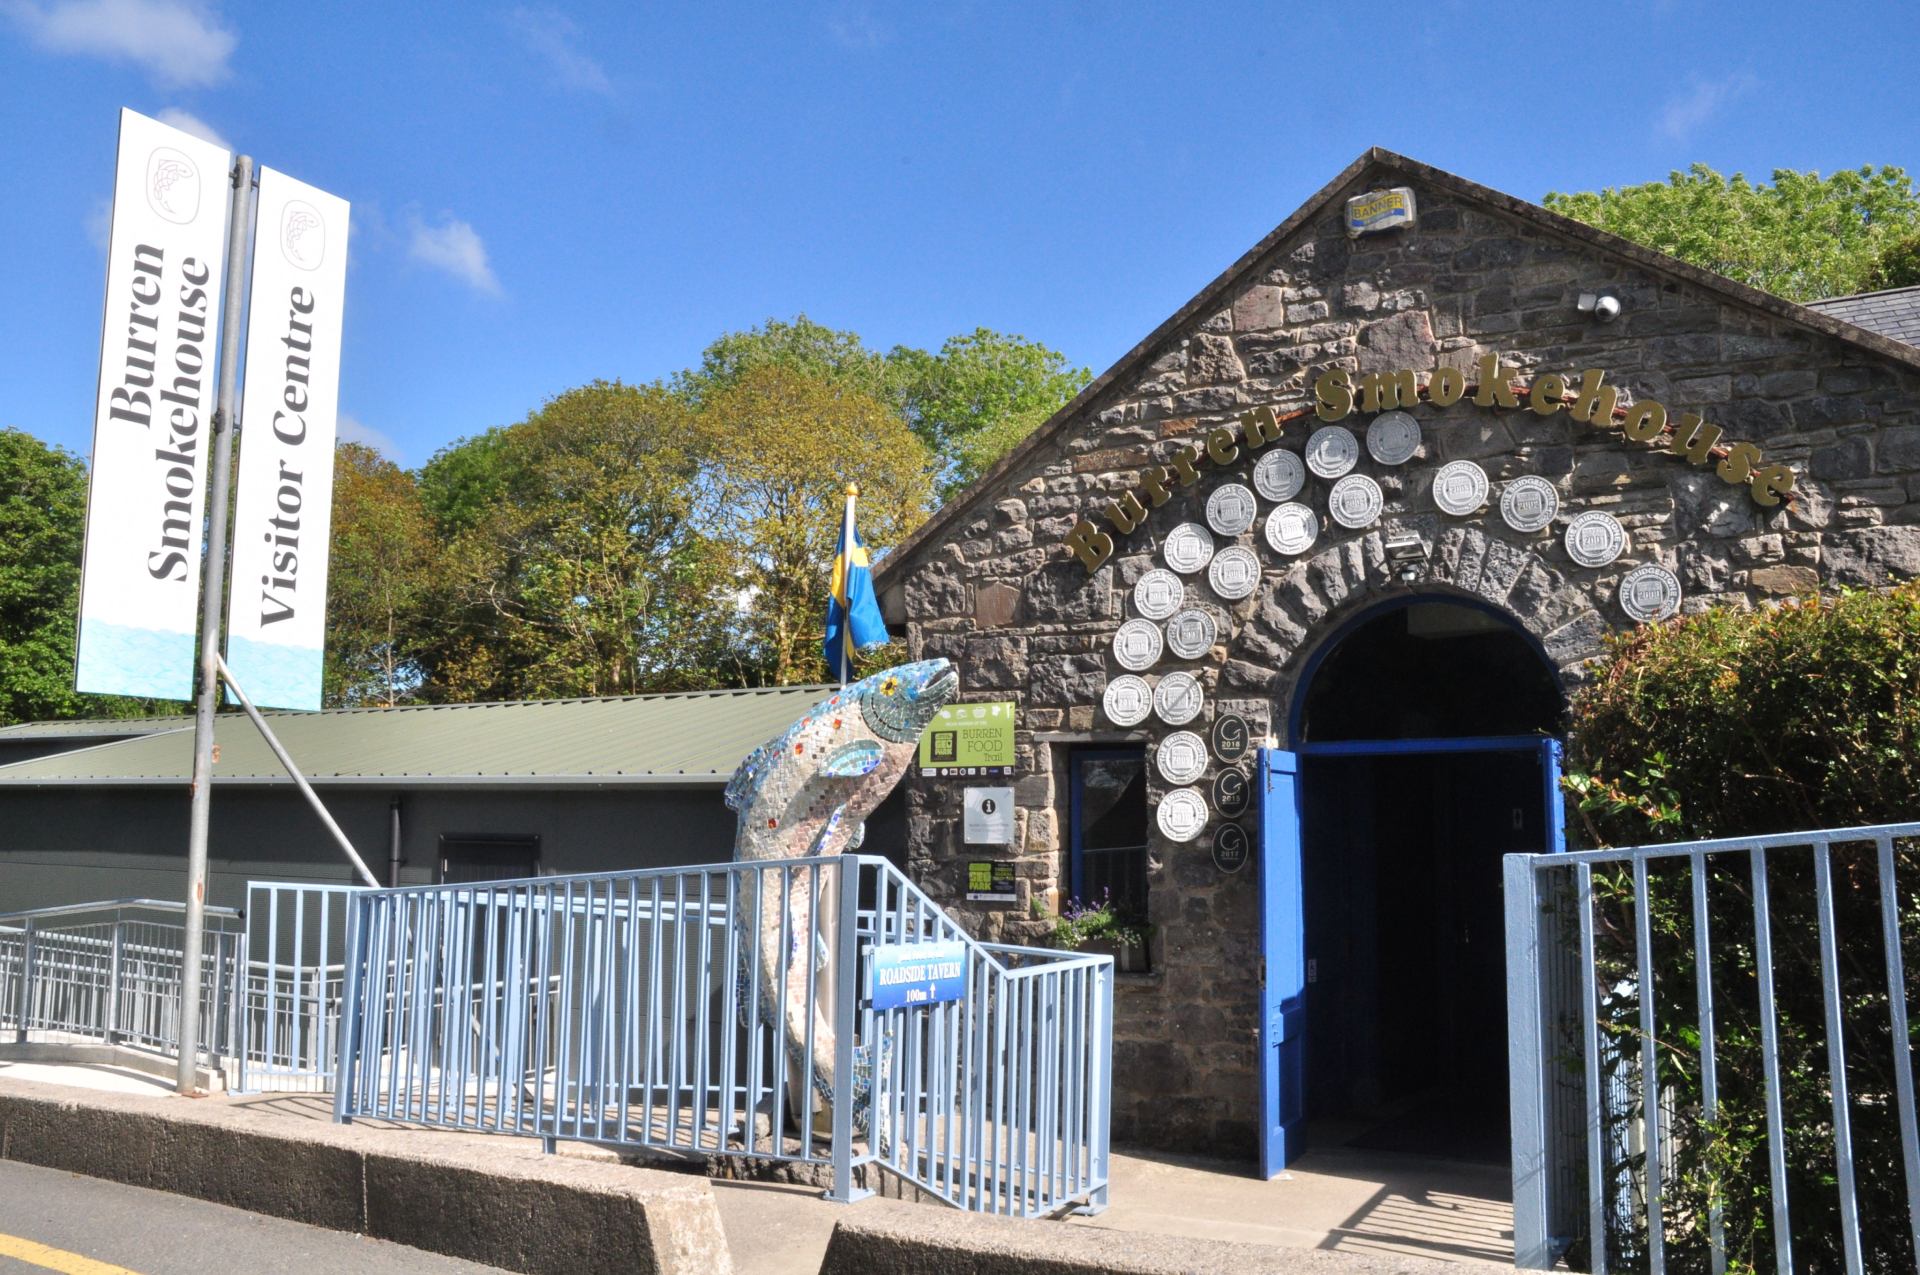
<point x="1738" y="449"/>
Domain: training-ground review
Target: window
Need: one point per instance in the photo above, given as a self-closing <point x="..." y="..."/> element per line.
<point x="488" y="857"/>
<point x="1110" y="826"/>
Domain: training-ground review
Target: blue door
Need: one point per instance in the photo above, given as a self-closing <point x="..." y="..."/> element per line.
<point x="1283" y="963"/>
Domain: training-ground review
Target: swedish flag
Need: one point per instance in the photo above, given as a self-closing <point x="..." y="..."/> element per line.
<point x="853" y="615"/>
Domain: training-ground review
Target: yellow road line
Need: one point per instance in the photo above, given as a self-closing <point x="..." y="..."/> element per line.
<point x="55" y="1259"/>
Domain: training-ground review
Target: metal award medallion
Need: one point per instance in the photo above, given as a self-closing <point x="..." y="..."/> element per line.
<point x="1158" y="594"/>
<point x="1188" y="548"/>
<point x="1234" y="572"/>
<point x="1230" y="847"/>
<point x="1231" y="509"/>
<point x="1182" y="758"/>
<point x="1136" y="645"/>
<point x="1529" y="503"/>
<point x="1230" y="737"/>
<point x="1460" y="488"/>
<point x="1332" y="451"/>
<point x="1292" y="529"/>
<point x="1178" y="698"/>
<point x="1231" y="792"/>
<point x="1355" y="501"/>
<point x="1128" y="700"/>
<point x="1650" y="593"/>
<point x="1182" y="815"/>
<point x="1279" y="475"/>
<point x="1594" y="539"/>
<point x="1190" y="634"/>
<point x="1393" y="438"/>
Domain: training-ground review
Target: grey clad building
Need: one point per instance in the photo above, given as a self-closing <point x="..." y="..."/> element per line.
<point x="98" y="809"/>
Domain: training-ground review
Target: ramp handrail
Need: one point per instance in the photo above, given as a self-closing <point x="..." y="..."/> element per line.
<point x="723" y="1009"/>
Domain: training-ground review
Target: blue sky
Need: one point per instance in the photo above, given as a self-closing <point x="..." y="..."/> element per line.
<point x="548" y="194"/>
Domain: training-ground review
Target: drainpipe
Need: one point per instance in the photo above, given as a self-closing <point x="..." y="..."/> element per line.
<point x="393" y="843"/>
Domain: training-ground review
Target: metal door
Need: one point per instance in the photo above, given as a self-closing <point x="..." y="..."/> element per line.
<point x="1283" y="963"/>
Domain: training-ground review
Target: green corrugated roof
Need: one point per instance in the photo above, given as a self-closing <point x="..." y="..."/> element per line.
<point x="94" y="727"/>
<point x="696" y="737"/>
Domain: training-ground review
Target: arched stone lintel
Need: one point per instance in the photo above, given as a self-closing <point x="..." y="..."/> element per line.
<point x="1301" y="607"/>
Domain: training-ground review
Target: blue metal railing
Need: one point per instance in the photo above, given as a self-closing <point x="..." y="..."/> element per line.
<point x="723" y="1010"/>
<point x="1616" y="1059"/>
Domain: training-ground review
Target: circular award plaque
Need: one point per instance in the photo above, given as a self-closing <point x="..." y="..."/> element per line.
<point x="1182" y="815"/>
<point x="1529" y="503"/>
<point x="1188" y="548"/>
<point x="1279" y="475"/>
<point x="1292" y="529"/>
<point x="1158" y="594"/>
<point x="1234" y="572"/>
<point x="1178" y="699"/>
<point x="1190" y="634"/>
<point x="1332" y="451"/>
<point x="1460" y="488"/>
<point x="1136" y="645"/>
<point x="1230" y="737"/>
<point x="1649" y="593"/>
<point x="1182" y="758"/>
<point x="1230" y="847"/>
<point x="1231" y="792"/>
<point x="1128" y="700"/>
<point x="1393" y="438"/>
<point x="1354" y="501"/>
<point x="1594" y="539"/>
<point x="1231" y="509"/>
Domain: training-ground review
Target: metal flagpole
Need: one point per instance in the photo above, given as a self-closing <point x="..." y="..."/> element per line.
<point x="212" y="598"/>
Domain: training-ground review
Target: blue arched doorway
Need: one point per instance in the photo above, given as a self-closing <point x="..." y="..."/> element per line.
<point x="1424" y="746"/>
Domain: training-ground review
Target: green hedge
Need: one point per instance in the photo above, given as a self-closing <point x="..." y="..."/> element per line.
<point x="1726" y="724"/>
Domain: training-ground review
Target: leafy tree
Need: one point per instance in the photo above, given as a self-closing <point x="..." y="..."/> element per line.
<point x="43" y="502"/>
<point x="572" y="565"/>
<point x="1899" y="264"/>
<point x="802" y="346"/>
<point x="1803" y="237"/>
<point x="779" y="449"/>
<point x="983" y="393"/>
<point x="384" y="553"/>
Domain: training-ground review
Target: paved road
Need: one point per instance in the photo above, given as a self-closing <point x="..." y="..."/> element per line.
<point x="50" y="1220"/>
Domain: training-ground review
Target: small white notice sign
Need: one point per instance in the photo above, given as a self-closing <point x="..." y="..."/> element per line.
<point x="988" y="816"/>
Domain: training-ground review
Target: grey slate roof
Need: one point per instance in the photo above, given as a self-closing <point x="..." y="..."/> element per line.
<point x="1894" y="313"/>
<point x="688" y="739"/>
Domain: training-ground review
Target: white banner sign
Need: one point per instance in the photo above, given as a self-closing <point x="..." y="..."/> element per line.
<point x="152" y="425"/>
<point x="277" y="609"/>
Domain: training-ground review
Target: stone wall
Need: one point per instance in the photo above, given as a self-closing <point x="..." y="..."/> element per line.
<point x="994" y="590"/>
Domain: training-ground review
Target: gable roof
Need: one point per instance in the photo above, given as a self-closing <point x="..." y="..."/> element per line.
<point x="1894" y="312"/>
<point x="1374" y="160"/>
<point x="690" y="739"/>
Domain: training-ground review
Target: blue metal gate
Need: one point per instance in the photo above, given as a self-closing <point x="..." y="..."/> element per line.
<point x="727" y="1010"/>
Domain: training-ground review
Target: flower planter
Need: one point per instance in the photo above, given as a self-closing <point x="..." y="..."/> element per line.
<point x="1128" y="958"/>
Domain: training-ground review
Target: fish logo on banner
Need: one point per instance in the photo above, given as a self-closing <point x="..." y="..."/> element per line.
<point x="276" y="614"/>
<point x="153" y="413"/>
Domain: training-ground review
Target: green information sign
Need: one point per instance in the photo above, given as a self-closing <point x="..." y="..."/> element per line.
<point x="969" y="739"/>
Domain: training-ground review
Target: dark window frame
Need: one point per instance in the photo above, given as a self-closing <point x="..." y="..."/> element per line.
<point x="1076" y="823"/>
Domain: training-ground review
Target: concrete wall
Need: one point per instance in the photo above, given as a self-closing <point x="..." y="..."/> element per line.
<point x="994" y="588"/>
<point x="72" y="845"/>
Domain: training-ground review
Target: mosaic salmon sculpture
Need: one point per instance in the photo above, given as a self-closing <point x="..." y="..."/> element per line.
<point x="808" y="793"/>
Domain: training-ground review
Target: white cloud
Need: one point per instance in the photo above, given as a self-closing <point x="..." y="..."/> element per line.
<point x="348" y="429"/>
<point x="99" y="225"/>
<point x="455" y="248"/>
<point x="1684" y="114"/>
<point x="554" y="36"/>
<point x="180" y="43"/>
<point x="854" y="26"/>
<point x="193" y="124"/>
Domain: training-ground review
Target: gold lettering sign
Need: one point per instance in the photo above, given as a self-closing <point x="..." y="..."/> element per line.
<point x="1335" y="393"/>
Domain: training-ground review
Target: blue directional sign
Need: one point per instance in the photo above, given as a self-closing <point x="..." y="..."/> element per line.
<point x="918" y="974"/>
